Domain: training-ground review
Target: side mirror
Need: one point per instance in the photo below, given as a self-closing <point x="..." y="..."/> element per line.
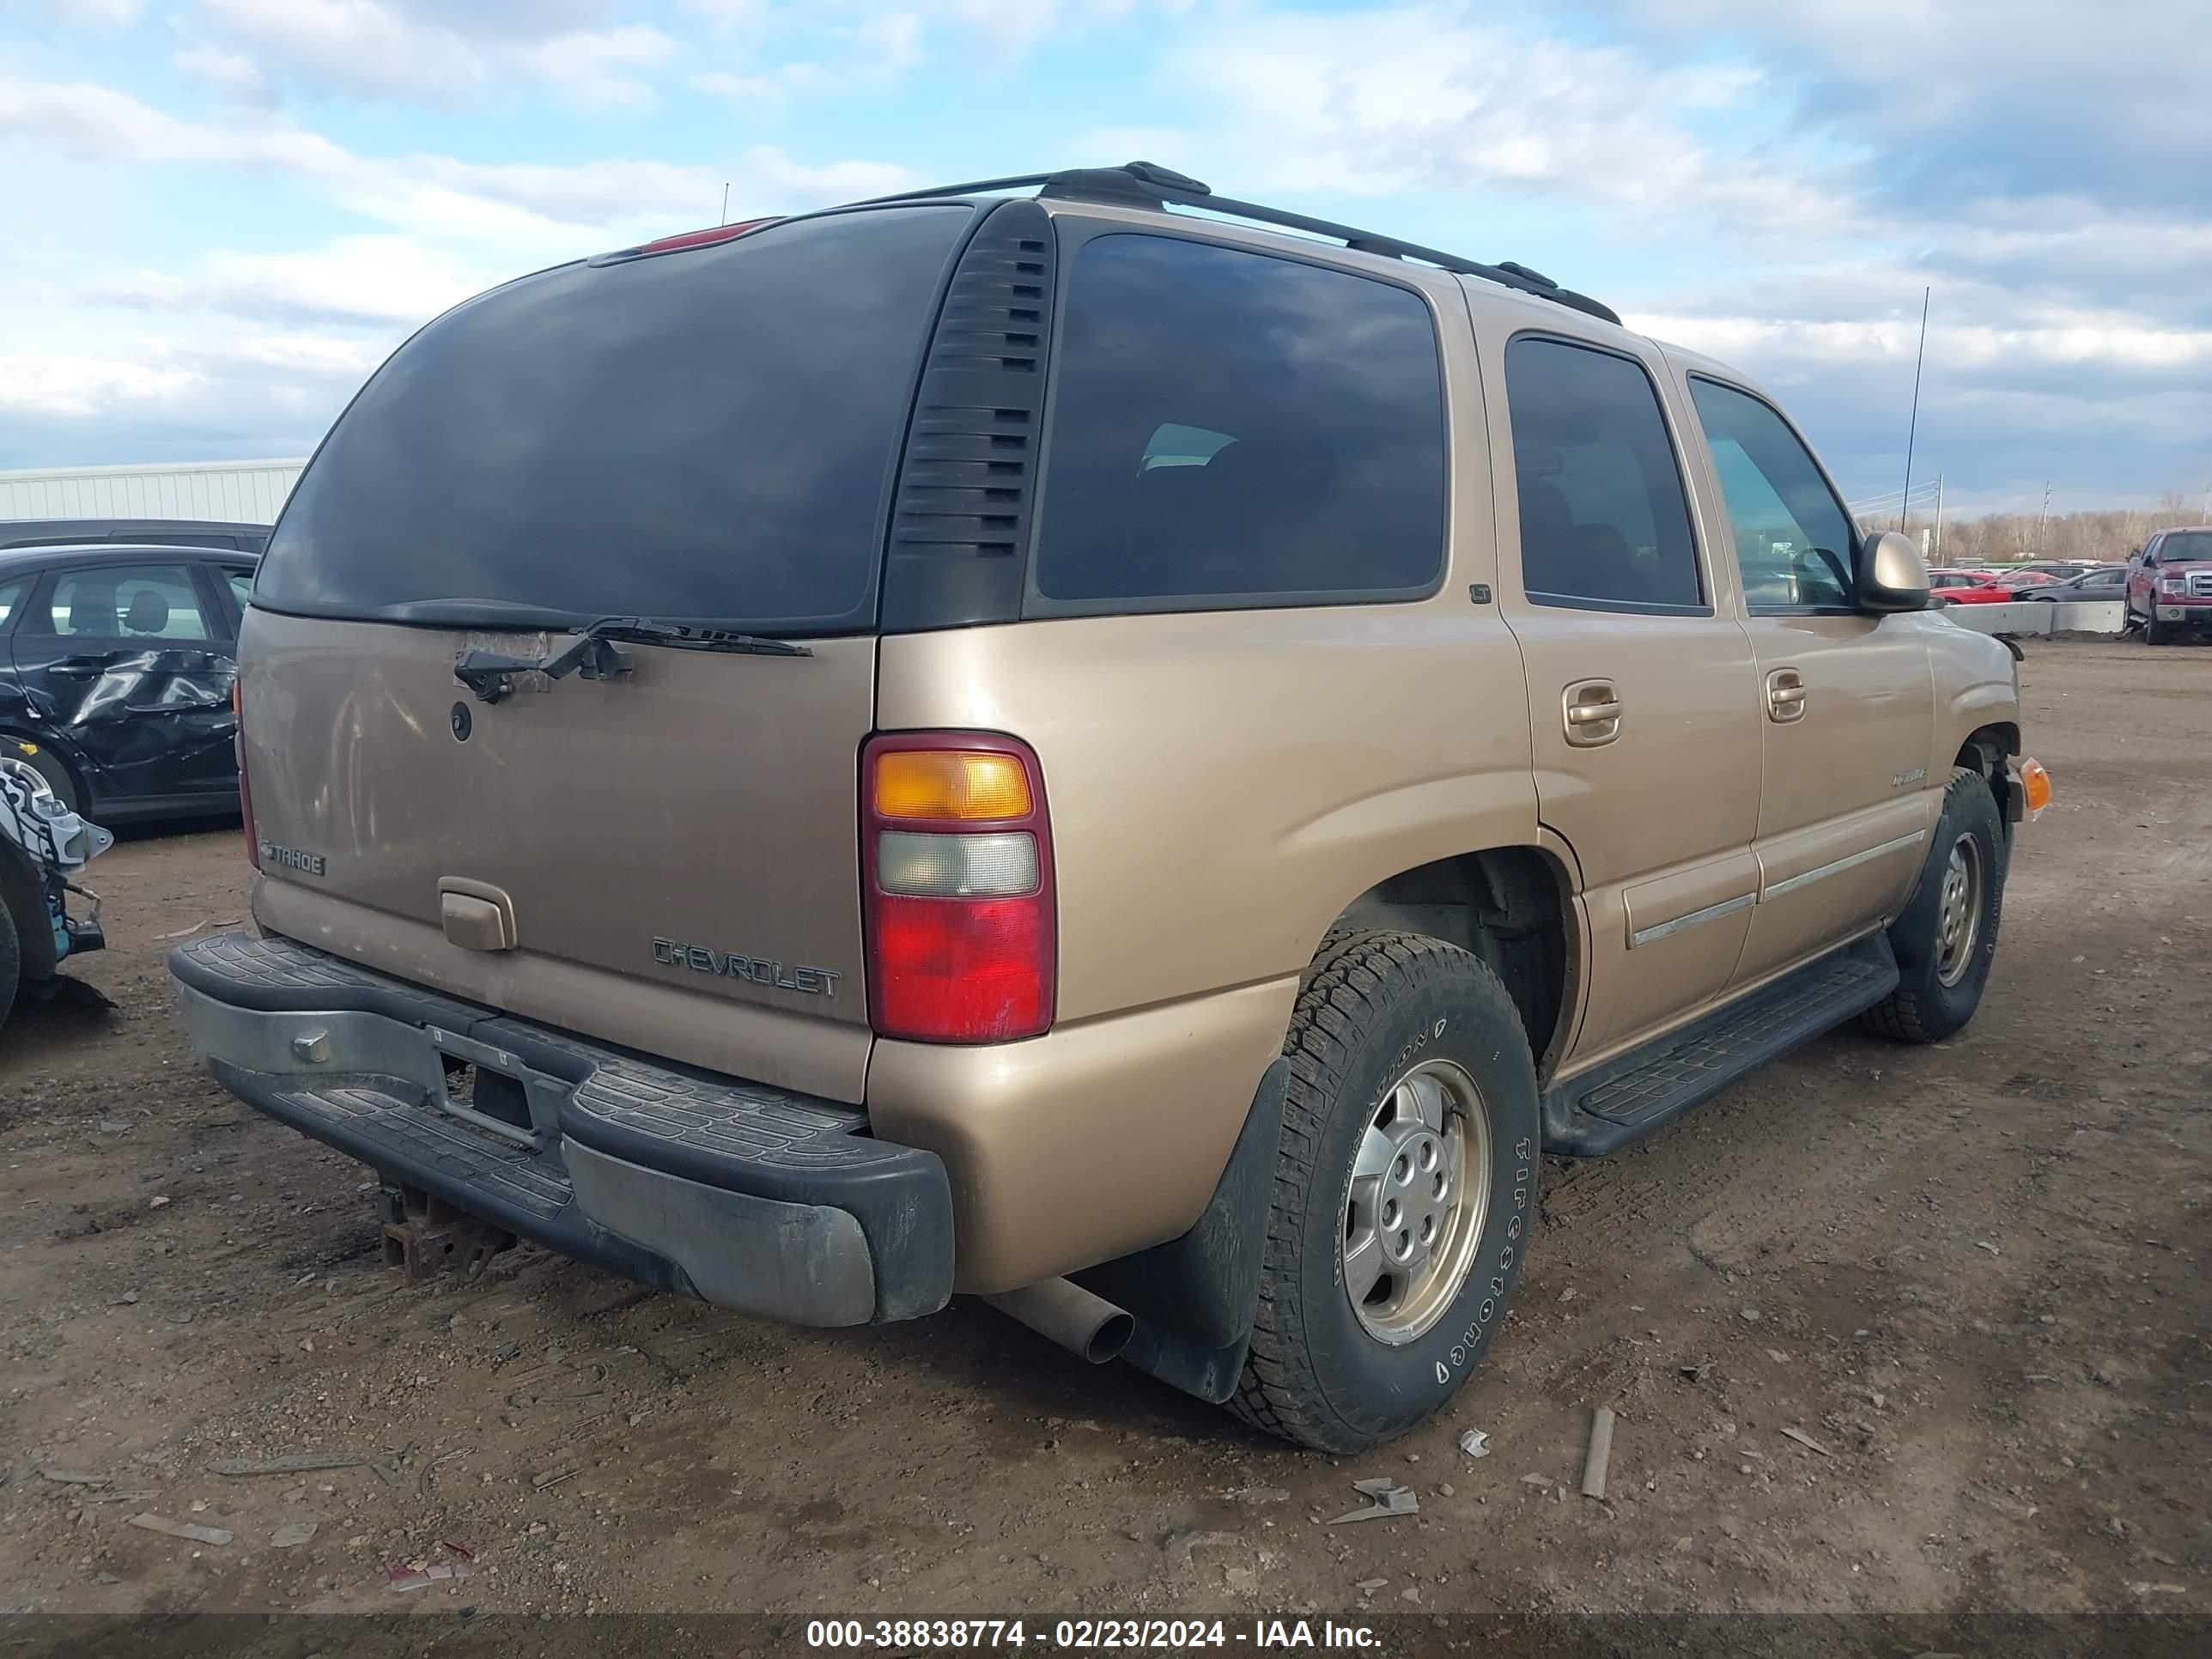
<point x="1892" y="576"/>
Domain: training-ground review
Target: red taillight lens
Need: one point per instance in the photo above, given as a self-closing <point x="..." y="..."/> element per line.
<point x="961" y="970"/>
<point x="961" y="914"/>
<point x="244" y="787"/>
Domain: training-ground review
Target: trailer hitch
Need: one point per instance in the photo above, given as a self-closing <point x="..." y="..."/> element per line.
<point x="425" y="1236"/>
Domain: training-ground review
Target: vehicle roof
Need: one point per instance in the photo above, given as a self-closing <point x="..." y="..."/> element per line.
<point x="45" y="555"/>
<point x="1142" y="193"/>
<point x="1524" y="309"/>
<point x="1692" y="361"/>
<point x="117" y="521"/>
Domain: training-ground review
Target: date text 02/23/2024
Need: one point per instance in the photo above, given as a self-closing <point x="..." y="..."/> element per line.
<point x="1082" y="1635"/>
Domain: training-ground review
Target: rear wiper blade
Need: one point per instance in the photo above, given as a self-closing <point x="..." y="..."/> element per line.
<point x="590" y="653"/>
<point x="644" y="631"/>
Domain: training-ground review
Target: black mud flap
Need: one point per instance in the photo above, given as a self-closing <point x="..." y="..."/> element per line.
<point x="1193" y="1297"/>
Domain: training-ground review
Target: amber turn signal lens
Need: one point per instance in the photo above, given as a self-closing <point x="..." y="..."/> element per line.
<point x="2035" y="784"/>
<point x="956" y="785"/>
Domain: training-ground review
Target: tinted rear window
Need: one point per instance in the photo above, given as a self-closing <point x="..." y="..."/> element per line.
<point x="1230" y="428"/>
<point x="703" y="437"/>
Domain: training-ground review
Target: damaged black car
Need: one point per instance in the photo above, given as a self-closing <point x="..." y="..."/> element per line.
<point x="43" y="846"/>
<point x="116" y="665"/>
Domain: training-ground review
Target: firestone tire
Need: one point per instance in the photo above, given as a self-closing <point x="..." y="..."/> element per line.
<point x="1945" y="946"/>
<point x="1382" y="1017"/>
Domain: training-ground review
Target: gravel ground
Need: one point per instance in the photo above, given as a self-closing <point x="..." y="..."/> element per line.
<point x="1893" y="1329"/>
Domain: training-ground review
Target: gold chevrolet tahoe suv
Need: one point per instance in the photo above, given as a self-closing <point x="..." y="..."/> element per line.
<point x="1022" y="740"/>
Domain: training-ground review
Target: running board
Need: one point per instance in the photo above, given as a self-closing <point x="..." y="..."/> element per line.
<point x="1600" y="1111"/>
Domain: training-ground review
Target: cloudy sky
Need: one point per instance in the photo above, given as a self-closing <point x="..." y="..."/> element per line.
<point x="221" y="214"/>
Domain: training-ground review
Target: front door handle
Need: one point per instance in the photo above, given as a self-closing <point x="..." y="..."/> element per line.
<point x="1592" y="712"/>
<point x="1785" y="696"/>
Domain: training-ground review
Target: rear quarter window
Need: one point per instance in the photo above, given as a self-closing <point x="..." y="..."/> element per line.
<point x="1232" y="428"/>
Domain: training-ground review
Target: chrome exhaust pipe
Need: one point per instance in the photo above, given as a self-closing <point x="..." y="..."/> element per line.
<point x="1081" y="1322"/>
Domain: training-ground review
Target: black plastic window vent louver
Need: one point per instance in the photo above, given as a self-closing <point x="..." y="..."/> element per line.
<point x="967" y="485"/>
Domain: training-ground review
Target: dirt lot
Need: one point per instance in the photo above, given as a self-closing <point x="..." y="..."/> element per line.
<point x="1974" y="1275"/>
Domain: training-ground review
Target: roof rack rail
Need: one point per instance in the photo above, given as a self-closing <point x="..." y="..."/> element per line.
<point x="1144" y="184"/>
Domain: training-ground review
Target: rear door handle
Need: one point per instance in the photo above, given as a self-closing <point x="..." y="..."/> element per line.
<point x="1592" y="711"/>
<point x="78" y="668"/>
<point x="1785" y="696"/>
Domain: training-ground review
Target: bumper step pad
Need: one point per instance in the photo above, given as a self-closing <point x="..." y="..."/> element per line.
<point x="394" y="1112"/>
<point x="702" y="1168"/>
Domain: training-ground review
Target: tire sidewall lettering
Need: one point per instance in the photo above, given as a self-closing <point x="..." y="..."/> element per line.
<point x="1446" y="1016"/>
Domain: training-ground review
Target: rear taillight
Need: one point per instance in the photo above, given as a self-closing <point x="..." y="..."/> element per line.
<point x="957" y="861"/>
<point x="245" y="788"/>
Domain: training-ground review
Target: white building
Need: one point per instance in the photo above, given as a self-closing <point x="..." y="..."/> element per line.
<point x="244" y="492"/>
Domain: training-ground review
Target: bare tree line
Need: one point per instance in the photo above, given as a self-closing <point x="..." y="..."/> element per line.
<point x="2002" y="537"/>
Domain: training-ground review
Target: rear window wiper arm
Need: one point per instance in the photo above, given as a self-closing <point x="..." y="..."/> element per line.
<point x="590" y="653"/>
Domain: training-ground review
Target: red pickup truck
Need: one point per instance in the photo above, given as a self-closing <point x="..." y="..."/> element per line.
<point x="2170" y="584"/>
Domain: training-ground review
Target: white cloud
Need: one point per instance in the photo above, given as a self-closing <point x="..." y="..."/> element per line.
<point x="522" y="206"/>
<point x="2062" y="340"/>
<point x="224" y="390"/>
<point x="355" y="280"/>
<point x="1973" y="96"/>
<point x="730" y="14"/>
<point x="359" y="46"/>
<point x="318" y="356"/>
<point x="1427" y="98"/>
<point x="613" y="195"/>
<point x="773" y="52"/>
<point x="595" y="71"/>
<point x="231" y="74"/>
<point x="1010" y="29"/>
<point x="598" y="57"/>
<point x="232" y="351"/>
<point x="97" y="122"/>
<point x="70" y="387"/>
<point x="88" y="14"/>
<point x="1774" y="184"/>
<point x="497" y="21"/>
<point x="879" y="51"/>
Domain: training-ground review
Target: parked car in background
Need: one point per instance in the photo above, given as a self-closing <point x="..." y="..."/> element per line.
<point x="42" y="844"/>
<point x="1959" y="587"/>
<point x="164" y="532"/>
<point x="116" y="665"/>
<point x="2108" y="581"/>
<point x="2170" y="584"/>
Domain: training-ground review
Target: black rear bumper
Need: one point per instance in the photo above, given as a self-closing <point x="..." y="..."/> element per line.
<point x="756" y="1198"/>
